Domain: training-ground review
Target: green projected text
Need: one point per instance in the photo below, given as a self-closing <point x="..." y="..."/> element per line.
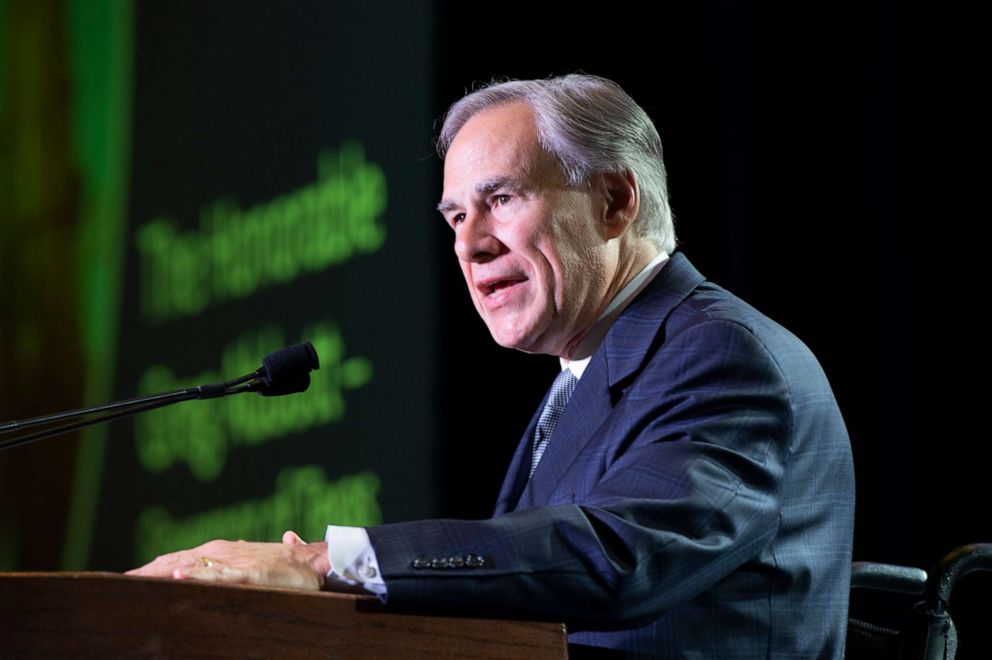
<point x="236" y="252"/>
<point x="201" y="433"/>
<point x="304" y="501"/>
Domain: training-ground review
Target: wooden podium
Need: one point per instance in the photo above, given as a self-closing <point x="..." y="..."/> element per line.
<point x="107" y="615"/>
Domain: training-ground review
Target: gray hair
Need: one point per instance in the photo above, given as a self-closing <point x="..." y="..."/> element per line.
<point x="591" y="126"/>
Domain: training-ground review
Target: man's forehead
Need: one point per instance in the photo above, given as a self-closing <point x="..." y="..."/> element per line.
<point x="498" y="147"/>
<point x="492" y="131"/>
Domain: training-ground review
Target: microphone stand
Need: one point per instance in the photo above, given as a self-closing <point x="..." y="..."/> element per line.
<point x="124" y="408"/>
<point x="284" y="372"/>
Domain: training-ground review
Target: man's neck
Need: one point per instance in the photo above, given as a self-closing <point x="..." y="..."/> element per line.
<point x="637" y="274"/>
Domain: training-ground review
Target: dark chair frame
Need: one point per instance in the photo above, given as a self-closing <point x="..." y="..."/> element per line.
<point x="929" y="632"/>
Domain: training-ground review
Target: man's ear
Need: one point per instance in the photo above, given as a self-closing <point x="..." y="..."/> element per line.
<point x="623" y="201"/>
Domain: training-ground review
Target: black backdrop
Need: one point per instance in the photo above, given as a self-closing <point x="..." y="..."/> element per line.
<point x="825" y="164"/>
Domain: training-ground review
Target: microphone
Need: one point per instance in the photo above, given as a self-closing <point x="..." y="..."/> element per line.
<point x="286" y="371"/>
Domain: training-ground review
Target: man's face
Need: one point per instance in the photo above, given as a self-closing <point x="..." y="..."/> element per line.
<point x="531" y="247"/>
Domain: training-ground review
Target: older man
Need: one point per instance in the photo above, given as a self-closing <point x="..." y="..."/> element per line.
<point x="686" y="488"/>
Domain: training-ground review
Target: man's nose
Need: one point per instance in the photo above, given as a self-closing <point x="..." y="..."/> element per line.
<point x="475" y="240"/>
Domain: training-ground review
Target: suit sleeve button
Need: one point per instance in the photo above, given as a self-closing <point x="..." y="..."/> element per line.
<point x="420" y="563"/>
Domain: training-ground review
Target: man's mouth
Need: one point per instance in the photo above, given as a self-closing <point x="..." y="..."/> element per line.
<point x="491" y="285"/>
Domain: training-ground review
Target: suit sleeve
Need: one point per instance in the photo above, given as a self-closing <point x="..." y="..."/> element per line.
<point x="683" y="491"/>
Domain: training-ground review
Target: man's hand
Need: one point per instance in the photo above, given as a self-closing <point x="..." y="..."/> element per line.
<point x="292" y="564"/>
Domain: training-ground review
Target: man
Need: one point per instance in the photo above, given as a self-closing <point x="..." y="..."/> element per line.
<point x="686" y="489"/>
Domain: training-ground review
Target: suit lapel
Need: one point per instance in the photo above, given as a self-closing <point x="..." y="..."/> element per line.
<point x="630" y="339"/>
<point x="587" y="410"/>
<point x="519" y="470"/>
<point x="618" y="358"/>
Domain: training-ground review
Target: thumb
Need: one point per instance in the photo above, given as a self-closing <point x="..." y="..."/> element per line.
<point x="289" y="537"/>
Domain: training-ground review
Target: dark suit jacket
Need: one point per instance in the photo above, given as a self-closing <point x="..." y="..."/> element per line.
<point x="695" y="500"/>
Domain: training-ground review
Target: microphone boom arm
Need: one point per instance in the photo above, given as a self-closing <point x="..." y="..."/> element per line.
<point x="283" y="372"/>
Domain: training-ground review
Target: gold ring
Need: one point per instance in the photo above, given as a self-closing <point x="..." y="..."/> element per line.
<point x="206" y="562"/>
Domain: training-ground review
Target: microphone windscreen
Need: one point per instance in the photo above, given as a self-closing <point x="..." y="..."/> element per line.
<point x="288" y="371"/>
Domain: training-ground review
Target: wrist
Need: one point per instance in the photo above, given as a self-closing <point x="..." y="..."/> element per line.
<point x="317" y="559"/>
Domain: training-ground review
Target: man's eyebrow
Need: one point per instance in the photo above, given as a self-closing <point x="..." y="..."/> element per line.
<point x="485" y="188"/>
<point x="499" y="182"/>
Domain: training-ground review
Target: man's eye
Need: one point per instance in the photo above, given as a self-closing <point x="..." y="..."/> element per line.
<point x="501" y="200"/>
<point x="457" y="219"/>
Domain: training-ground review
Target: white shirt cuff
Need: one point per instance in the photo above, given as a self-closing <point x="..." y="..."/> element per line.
<point x="353" y="560"/>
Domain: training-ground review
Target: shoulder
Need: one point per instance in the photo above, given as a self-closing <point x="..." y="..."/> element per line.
<point x="686" y="334"/>
<point x="695" y="316"/>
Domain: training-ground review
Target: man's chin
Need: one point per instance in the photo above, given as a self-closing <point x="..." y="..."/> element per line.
<point x="510" y="339"/>
<point x="508" y="343"/>
<point x="525" y="343"/>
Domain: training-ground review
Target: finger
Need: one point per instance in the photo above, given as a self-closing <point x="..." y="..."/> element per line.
<point x="153" y="569"/>
<point x="211" y="574"/>
<point x="161" y="566"/>
<point x="141" y="571"/>
<point x="289" y="537"/>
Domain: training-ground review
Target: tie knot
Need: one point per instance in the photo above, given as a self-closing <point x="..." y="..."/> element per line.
<point x="562" y="388"/>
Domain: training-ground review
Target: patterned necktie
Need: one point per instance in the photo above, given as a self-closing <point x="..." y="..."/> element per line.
<point x="561" y="392"/>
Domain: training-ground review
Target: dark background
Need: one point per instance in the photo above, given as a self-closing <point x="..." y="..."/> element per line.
<point x="819" y="168"/>
<point x="826" y="163"/>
